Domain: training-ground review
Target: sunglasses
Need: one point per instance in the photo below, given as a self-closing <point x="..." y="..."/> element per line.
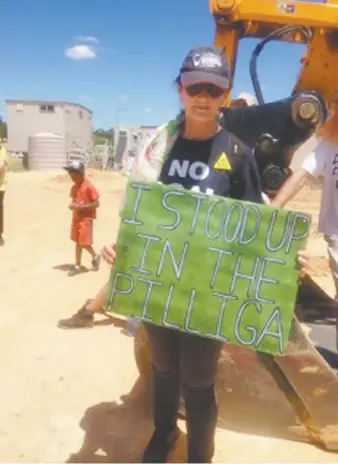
<point x="210" y="89"/>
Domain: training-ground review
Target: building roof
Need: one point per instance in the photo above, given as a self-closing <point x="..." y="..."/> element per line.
<point x="49" y="102"/>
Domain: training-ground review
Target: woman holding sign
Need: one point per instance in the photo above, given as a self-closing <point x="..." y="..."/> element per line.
<point x="200" y="156"/>
<point x="195" y="153"/>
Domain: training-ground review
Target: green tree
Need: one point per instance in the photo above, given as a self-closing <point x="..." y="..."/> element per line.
<point x="101" y="136"/>
<point x="3" y="129"/>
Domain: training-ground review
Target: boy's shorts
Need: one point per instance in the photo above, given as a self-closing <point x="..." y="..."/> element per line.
<point x="82" y="232"/>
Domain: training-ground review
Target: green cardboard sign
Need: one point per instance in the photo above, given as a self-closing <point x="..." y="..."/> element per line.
<point x="211" y="266"/>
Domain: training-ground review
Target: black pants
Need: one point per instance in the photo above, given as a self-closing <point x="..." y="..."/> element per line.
<point x="191" y="361"/>
<point x="2" y="194"/>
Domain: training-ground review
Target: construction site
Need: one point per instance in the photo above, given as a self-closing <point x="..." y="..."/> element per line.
<point x="74" y="396"/>
<point x="71" y="396"/>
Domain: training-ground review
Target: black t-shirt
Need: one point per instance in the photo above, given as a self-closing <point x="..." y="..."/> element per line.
<point x="190" y="165"/>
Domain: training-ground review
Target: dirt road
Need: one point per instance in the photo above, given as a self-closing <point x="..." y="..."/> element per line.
<point x="62" y="391"/>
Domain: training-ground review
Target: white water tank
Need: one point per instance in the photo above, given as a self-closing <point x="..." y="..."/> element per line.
<point x="46" y="151"/>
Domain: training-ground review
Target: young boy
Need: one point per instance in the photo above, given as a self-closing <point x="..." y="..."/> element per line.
<point x="84" y="200"/>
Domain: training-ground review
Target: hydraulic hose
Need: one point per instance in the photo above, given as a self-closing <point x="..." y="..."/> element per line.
<point x="279" y="33"/>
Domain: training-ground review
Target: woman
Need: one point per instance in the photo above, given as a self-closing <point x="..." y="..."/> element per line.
<point x="198" y="138"/>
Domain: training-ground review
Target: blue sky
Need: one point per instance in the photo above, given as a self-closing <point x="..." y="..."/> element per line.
<point x="132" y="55"/>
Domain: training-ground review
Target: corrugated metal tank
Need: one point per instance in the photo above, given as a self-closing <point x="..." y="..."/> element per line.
<point x="46" y="151"/>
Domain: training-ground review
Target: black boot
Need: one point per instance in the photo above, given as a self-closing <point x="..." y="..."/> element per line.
<point x="166" y="403"/>
<point x="201" y="416"/>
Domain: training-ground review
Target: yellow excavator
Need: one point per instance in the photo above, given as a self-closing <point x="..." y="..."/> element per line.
<point x="301" y="382"/>
<point x="276" y="129"/>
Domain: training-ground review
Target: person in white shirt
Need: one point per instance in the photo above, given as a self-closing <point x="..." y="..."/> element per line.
<point x="322" y="162"/>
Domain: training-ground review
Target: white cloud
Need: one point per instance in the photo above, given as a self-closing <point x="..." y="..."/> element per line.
<point x="123" y="97"/>
<point x="81" y="52"/>
<point x="248" y="97"/>
<point x="147" y="110"/>
<point x="86" y="98"/>
<point x="87" y="38"/>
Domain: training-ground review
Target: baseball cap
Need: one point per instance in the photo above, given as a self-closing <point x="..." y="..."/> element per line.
<point x="205" y="65"/>
<point x="75" y="166"/>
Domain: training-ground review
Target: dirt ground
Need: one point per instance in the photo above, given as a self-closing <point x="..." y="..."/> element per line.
<point x="75" y="395"/>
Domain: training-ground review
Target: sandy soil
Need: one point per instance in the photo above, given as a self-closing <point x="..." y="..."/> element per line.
<point x="75" y="395"/>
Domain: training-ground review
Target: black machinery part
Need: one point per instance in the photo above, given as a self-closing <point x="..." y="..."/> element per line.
<point x="274" y="130"/>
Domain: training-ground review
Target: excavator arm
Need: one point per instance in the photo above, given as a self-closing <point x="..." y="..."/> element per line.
<point x="275" y="130"/>
<point x="312" y="22"/>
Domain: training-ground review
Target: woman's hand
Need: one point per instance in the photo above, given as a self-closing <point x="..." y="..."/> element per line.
<point x="303" y="261"/>
<point x="108" y="253"/>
